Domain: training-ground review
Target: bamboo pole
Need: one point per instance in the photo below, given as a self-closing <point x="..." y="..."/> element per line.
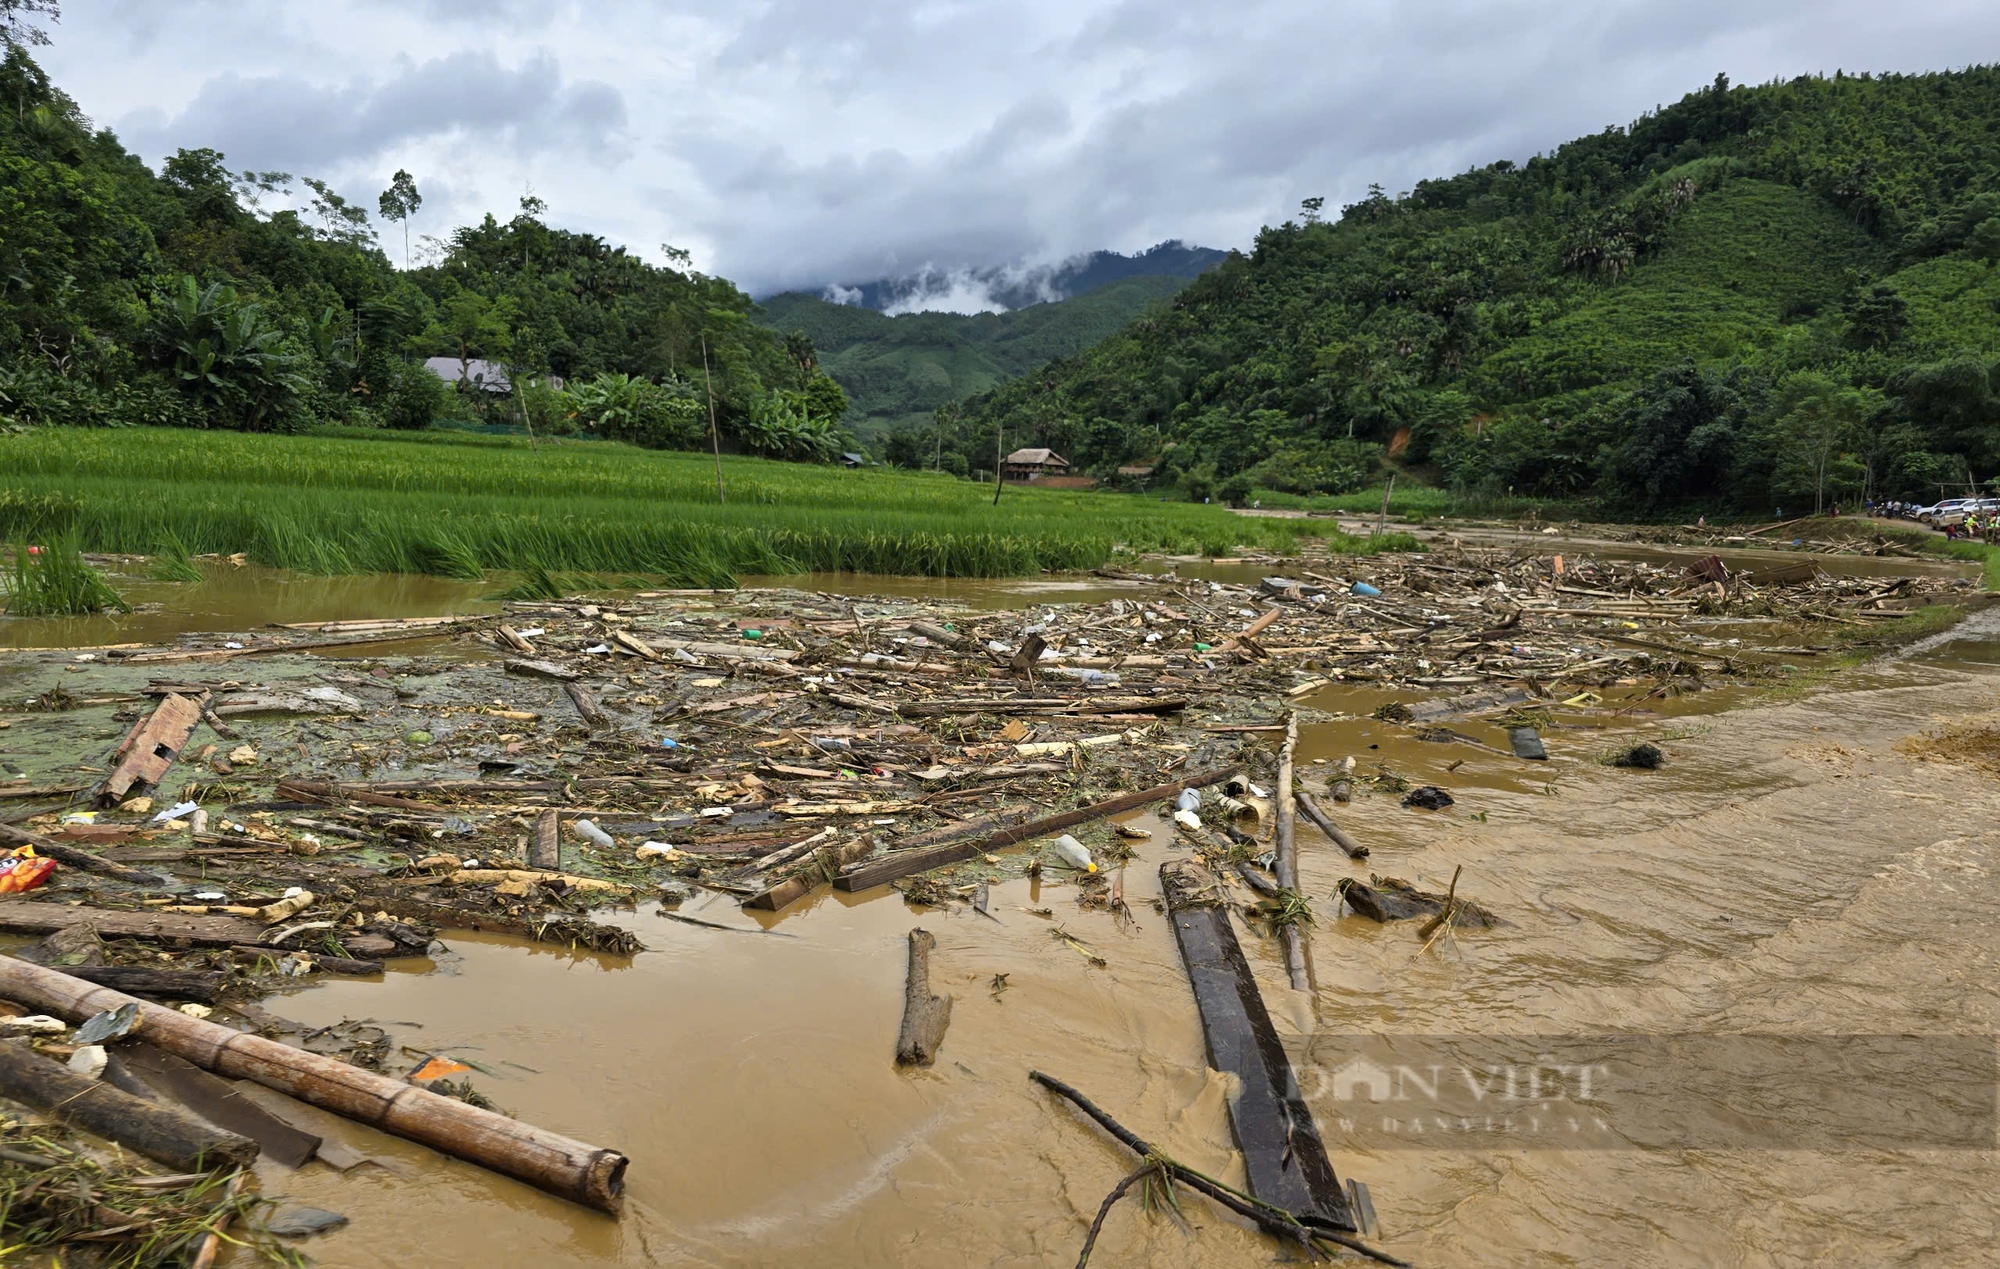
<point x="585" y="1174"/>
<point x="1292" y="936"/>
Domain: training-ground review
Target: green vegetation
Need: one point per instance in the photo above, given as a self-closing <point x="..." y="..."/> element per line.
<point x="195" y="298"/>
<point x="458" y="504"/>
<point x="51" y="579"/>
<point x="1780" y="295"/>
<point x="898" y="371"/>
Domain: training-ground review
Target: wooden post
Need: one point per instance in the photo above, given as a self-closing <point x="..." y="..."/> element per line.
<point x="999" y="476"/>
<point x="1382" y="523"/>
<point x="1292" y="935"/>
<point x="714" y="434"/>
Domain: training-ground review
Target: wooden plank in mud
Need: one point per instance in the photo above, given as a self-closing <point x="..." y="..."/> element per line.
<point x="1283" y="1157"/>
<point x="151" y="748"/>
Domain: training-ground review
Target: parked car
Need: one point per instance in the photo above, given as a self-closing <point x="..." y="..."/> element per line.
<point x="1935" y="514"/>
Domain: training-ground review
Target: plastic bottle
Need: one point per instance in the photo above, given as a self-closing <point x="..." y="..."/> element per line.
<point x="1074" y="854"/>
<point x="1363" y="588"/>
<point x="593" y="834"/>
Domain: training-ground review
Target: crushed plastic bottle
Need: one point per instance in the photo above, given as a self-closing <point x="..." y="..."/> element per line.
<point x="1074" y="854"/>
<point x="593" y="834"/>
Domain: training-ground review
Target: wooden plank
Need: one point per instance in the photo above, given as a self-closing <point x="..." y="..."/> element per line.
<point x="1044" y="705"/>
<point x="1284" y="1160"/>
<point x="586" y="704"/>
<point x="27" y="916"/>
<point x="881" y="871"/>
<point x="220" y="1102"/>
<point x="151" y="748"/>
<point x="545" y="851"/>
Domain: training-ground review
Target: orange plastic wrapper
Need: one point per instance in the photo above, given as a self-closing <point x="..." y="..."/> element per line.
<point x="23" y="869"/>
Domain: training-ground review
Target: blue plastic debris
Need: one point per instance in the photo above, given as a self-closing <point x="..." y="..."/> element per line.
<point x="1363" y="588"/>
<point x="669" y="743"/>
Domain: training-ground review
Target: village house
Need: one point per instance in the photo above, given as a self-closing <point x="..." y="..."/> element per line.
<point x="1031" y="464"/>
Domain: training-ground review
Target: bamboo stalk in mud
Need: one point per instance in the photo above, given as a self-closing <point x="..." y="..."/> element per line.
<point x="590" y="1175"/>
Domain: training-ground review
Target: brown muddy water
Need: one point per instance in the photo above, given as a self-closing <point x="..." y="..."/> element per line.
<point x="1790" y="871"/>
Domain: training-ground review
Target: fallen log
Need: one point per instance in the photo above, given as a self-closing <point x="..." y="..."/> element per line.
<point x="220" y="1103"/>
<point x="151" y="748"/>
<point x="925" y="1016"/>
<point x="1291" y="935"/>
<point x="76" y="857"/>
<point x="586" y="705"/>
<point x="1354" y="849"/>
<point x="140" y="980"/>
<point x="545" y="851"/>
<point x="1393" y="899"/>
<point x="1283" y="1158"/>
<point x="163" y="1133"/>
<point x="28" y="916"/>
<point x="878" y="872"/>
<point x="589" y="1175"/>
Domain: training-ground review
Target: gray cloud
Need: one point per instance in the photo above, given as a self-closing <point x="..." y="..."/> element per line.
<point x="271" y="121"/>
<point x="806" y="142"/>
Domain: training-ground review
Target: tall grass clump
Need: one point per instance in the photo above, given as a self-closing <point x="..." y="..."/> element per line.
<point x="53" y="580"/>
<point x="173" y="562"/>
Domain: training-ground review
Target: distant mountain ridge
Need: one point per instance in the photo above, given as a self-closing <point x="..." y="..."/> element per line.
<point x="1005" y="288"/>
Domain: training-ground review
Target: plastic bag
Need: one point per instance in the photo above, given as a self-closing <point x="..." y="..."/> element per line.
<point x="23" y="870"/>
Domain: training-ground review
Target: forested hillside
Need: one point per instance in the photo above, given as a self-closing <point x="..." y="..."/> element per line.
<point x="898" y="370"/>
<point x="203" y="297"/>
<point x="1759" y="294"/>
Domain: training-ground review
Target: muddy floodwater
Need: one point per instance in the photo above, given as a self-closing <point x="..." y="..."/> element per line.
<point x="1790" y="870"/>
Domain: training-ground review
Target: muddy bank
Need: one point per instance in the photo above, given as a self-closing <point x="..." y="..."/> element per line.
<point x="1763" y="879"/>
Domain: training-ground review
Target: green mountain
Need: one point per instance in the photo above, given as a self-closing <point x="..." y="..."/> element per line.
<point x="1780" y="292"/>
<point x="898" y="370"/>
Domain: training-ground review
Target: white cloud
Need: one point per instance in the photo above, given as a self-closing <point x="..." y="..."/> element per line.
<point x="805" y="142"/>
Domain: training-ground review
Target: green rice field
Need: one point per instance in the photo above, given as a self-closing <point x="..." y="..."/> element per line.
<point x="459" y="505"/>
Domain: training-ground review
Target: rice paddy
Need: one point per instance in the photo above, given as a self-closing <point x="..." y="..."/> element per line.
<point x="457" y="505"/>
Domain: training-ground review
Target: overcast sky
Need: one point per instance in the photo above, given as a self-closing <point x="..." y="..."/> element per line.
<point x="802" y="142"/>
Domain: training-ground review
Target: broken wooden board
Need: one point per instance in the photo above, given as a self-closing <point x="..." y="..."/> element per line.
<point x="28" y="916"/>
<point x="220" y="1102"/>
<point x="151" y="748"/>
<point x="541" y="670"/>
<point x="1284" y="1160"/>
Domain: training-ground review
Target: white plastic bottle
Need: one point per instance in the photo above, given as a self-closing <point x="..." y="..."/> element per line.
<point x="594" y="835"/>
<point x="1074" y="854"/>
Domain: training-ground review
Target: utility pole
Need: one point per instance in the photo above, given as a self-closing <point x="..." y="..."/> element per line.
<point x="714" y="436"/>
<point x="999" y="476"/>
